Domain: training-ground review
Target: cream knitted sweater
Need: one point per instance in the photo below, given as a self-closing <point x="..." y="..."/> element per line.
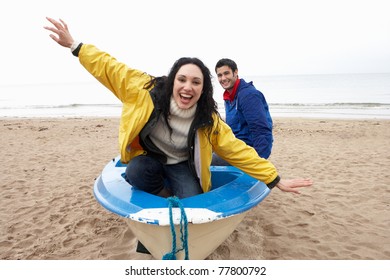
<point x="175" y="145"/>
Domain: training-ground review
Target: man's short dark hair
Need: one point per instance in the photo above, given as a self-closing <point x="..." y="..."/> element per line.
<point x="226" y="62"/>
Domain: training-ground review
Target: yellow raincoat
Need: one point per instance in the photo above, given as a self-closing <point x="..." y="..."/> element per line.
<point x="128" y="85"/>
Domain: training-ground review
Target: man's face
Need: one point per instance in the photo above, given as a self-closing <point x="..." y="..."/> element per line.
<point x="226" y="77"/>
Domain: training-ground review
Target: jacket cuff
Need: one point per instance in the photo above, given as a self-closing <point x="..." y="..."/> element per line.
<point x="76" y="50"/>
<point x="273" y="183"/>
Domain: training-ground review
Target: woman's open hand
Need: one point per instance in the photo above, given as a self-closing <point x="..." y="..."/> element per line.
<point x="60" y="28"/>
<point x="293" y="185"/>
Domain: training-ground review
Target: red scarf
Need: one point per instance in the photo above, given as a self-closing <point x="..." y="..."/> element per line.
<point x="230" y="96"/>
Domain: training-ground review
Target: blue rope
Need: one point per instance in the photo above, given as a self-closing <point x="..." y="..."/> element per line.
<point x="175" y="202"/>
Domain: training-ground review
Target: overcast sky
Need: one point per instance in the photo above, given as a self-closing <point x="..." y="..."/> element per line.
<point x="270" y="37"/>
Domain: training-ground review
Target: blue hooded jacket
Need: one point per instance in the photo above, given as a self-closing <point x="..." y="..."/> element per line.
<point x="249" y="118"/>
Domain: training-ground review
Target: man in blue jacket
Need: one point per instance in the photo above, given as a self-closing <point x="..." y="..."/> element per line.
<point x="246" y="110"/>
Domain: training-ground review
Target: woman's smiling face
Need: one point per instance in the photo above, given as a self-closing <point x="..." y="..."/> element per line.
<point x="188" y="86"/>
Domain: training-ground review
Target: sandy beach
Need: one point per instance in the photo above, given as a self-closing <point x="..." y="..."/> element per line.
<point x="48" y="210"/>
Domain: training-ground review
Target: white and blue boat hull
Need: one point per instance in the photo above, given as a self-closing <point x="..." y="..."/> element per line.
<point x="211" y="216"/>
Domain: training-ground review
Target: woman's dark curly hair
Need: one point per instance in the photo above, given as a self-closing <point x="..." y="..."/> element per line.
<point x="164" y="85"/>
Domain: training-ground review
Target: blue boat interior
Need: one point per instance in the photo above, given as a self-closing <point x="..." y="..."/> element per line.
<point x="232" y="192"/>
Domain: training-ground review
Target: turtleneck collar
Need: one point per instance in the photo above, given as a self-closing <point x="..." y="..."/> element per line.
<point x="182" y="113"/>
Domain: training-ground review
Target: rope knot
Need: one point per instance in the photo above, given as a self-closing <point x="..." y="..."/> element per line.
<point x="175" y="202"/>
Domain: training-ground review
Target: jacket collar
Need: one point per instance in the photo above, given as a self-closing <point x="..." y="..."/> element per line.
<point x="230" y="96"/>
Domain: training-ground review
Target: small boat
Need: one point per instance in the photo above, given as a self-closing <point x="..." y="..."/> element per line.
<point x="209" y="217"/>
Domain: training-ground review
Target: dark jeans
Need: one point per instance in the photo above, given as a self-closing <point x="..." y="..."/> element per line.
<point x="148" y="174"/>
<point x="217" y="161"/>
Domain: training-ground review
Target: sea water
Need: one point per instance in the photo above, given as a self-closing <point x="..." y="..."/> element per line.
<point x="364" y="96"/>
<point x="327" y="96"/>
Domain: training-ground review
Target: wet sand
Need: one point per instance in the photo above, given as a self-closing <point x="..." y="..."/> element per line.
<point x="48" y="210"/>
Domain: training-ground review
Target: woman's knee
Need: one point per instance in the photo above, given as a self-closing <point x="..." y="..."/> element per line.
<point x="145" y="173"/>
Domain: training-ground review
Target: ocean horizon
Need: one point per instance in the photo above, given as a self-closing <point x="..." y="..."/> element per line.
<point x="350" y="96"/>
